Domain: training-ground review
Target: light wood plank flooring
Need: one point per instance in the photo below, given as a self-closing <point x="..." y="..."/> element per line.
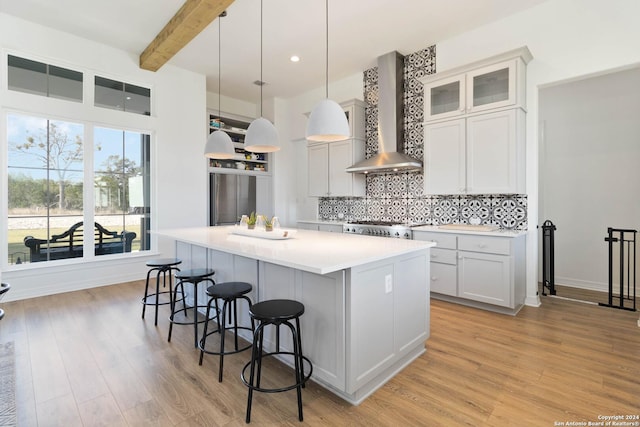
<point x="86" y="359"/>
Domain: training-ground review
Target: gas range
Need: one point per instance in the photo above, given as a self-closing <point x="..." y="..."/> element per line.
<point x="379" y="228"/>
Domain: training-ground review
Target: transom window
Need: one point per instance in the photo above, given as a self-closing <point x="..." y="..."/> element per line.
<point x="122" y="96"/>
<point x="25" y="75"/>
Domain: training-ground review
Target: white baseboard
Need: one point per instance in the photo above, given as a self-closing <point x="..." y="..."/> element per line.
<point x="33" y="281"/>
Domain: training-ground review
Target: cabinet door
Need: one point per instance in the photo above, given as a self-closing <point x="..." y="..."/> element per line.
<point x="493" y="86"/>
<point x="485" y="278"/>
<point x="341" y="183"/>
<point x="318" y="169"/>
<point x="492" y="153"/>
<point x="444" y="157"/>
<point x="443" y="279"/>
<point x="444" y="98"/>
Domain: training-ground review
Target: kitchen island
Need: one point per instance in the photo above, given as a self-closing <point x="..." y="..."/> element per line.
<point x="366" y="298"/>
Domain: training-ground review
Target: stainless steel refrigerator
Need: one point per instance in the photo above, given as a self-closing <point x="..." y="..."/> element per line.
<point x="230" y="197"/>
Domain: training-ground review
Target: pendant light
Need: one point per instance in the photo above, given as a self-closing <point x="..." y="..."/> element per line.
<point x="327" y="121"/>
<point x="219" y="144"/>
<point x="262" y="136"/>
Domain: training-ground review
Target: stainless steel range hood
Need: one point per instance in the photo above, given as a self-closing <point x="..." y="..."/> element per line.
<point x="390" y="157"/>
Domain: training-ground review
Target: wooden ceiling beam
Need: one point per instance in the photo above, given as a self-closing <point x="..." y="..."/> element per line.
<point x="188" y="22"/>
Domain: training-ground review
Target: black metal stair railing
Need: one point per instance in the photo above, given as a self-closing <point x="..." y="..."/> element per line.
<point x="548" y="265"/>
<point x="626" y="240"/>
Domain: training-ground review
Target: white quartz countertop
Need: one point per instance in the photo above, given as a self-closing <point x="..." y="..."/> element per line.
<point x="313" y="251"/>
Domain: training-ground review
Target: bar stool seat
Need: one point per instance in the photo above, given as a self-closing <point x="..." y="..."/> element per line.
<point x="230" y="293"/>
<point x="162" y="267"/>
<point x="276" y="312"/>
<point x="194" y="276"/>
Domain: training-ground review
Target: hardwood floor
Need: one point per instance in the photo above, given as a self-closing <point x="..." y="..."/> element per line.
<point x="86" y="358"/>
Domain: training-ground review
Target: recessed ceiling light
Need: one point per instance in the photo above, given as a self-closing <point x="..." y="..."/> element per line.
<point x="294" y="58"/>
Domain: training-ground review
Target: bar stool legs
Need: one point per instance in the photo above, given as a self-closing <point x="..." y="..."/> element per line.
<point x="162" y="267"/>
<point x="230" y="293"/>
<point x="277" y="313"/>
<point x="195" y="277"/>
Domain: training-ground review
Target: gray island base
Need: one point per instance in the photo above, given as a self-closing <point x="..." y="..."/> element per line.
<point x="366" y="298"/>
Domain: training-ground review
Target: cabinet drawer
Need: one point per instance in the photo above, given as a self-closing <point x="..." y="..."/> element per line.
<point x="443" y="240"/>
<point x="444" y="256"/>
<point x="492" y="245"/>
<point x="444" y="279"/>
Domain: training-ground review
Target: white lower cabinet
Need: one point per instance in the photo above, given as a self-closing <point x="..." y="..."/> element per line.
<point x="478" y="268"/>
<point x="485" y="278"/>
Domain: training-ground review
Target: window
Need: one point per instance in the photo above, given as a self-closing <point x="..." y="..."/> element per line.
<point x="122" y="181"/>
<point x="38" y="78"/>
<point x="122" y="96"/>
<point x="46" y="187"/>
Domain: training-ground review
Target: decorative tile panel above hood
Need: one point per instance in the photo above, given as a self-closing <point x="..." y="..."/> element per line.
<point x="416" y="65"/>
<point x="393" y="100"/>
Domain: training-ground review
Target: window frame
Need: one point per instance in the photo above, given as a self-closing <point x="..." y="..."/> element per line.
<point x="88" y="115"/>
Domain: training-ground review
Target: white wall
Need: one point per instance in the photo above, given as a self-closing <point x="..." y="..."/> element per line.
<point x="589" y="175"/>
<point x="178" y="130"/>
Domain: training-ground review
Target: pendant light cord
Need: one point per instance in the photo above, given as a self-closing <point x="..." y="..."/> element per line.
<point x="326" y="73"/>
<point x="219" y="66"/>
<point x="261" y="81"/>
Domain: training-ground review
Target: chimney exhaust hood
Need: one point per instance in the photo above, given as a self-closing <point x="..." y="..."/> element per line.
<point x="390" y="157"/>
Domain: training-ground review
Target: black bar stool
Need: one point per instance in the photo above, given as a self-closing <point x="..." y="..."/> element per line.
<point x="229" y="292"/>
<point x="162" y="266"/>
<point x="4" y="288"/>
<point x="276" y="312"/>
<point x="195" y="277"/>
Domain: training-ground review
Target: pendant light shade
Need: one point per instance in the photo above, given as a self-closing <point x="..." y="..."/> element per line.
<point x="262" y="136"/>
<point x="219" y="144"/>
<point x="327" y="121"/>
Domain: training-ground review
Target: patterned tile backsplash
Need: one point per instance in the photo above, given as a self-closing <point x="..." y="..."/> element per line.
<point x="400" y="197"/>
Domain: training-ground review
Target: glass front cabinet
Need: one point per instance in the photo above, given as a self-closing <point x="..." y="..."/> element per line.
<point x="484" y="88"/>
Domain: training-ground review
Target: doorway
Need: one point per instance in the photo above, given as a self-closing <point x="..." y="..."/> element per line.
<point x="589" y="174"/>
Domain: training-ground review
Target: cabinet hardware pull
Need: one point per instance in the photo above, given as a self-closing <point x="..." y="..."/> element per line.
<point x="434" y="278"/>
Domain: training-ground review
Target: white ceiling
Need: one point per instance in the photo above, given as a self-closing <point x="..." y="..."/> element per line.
<point x="359" y="32"/>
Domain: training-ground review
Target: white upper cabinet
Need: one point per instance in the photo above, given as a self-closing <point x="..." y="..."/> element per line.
<point x="493" y="83"/>
<point x="327" y="161"/>
<point x="474" y="133"/>
<point x="480" y="154"/>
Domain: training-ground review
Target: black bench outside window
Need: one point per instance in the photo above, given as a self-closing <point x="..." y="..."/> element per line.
<point x="70" y="244"/>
